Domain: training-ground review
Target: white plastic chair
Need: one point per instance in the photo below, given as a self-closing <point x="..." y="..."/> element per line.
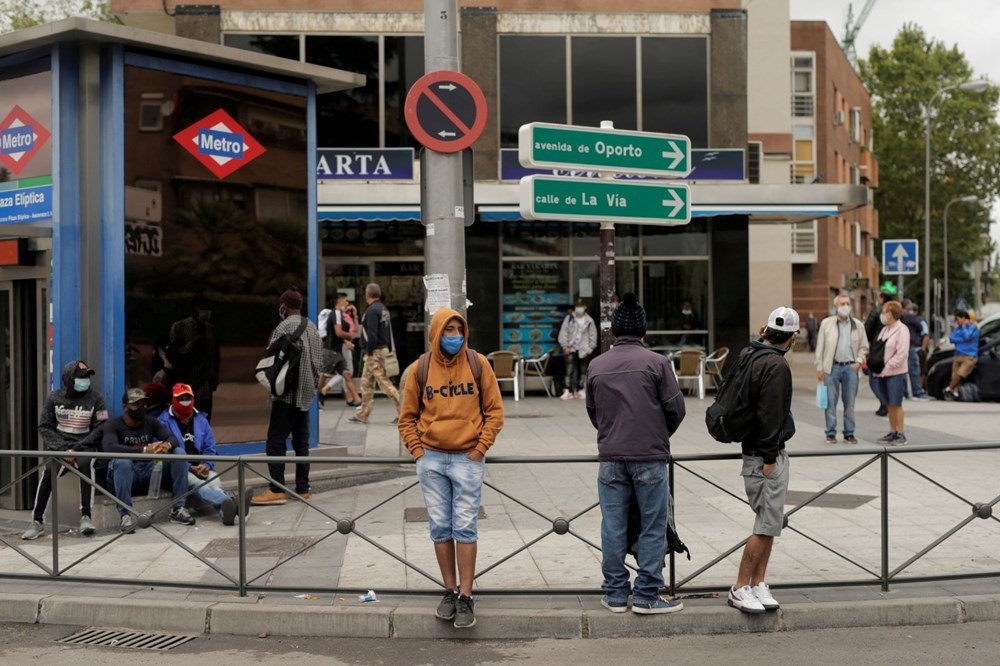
<point x="506" y="367"/>
<point x="692" y="367"/>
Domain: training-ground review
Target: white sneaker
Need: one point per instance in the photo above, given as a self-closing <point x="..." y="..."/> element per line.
<point x="566" y="395"/>
<point x="582" y="395"/>
<point x="744" y="600"/>
<point x="763" y="594"/>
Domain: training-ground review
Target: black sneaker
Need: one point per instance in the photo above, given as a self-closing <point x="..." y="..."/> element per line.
<point x="181" y="515"/>
<point x="446" y="609"/>
<point x="889" y="438"/>
<point x="882" y="411"/>
<point x="948" y="395"/>
<point x="228" y="511"/>
<point x="830" y="439"/>
<point x="900" y="439"/>
<point x="464" y="612"/>
<point x="850" y="439"/>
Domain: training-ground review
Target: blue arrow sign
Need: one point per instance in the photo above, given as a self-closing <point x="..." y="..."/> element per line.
<point x="900" y="257"/>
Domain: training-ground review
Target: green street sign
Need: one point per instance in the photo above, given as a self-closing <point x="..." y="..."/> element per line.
<point x="546" y="145"/>
<point x="587" y="200"/>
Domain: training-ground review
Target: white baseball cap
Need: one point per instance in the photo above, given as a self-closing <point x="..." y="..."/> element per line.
<point x="784" y="319"/>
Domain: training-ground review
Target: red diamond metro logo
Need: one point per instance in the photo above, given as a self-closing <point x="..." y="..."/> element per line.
<point x="220" y="143"/>
<point x="21" y="137"/>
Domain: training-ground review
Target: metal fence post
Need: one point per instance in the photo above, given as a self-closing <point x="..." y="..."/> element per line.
<point x="670" y="512"/>
<point x="885" y="520"/>
<point x="53" y="468"/>
<point x="242" y="487"/>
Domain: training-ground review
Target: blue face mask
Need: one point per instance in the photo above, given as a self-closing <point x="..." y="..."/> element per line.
<point x="81" y="385"/>
<point x="452" y="344"/>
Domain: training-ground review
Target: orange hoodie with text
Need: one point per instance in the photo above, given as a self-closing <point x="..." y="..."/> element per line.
<point x="451" y="420"/>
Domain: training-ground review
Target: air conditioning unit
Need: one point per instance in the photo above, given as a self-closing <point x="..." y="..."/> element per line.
<point x="838" y="117"/>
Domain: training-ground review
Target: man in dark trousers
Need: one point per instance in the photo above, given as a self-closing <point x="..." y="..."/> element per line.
<point x="290" y="412"/>
<point x="636" y="405"/>
<point x="765" y="463"/>
<point x="69" y="422"/>
<point x="873" y="326"/>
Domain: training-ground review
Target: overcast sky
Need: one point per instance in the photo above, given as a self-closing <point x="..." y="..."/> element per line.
<point x="971" y="24"/>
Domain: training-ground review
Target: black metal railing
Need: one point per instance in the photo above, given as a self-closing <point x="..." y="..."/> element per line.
<point x="556" y="525"/>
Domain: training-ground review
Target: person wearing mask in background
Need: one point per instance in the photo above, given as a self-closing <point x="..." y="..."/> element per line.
<point x="688" y="322"/>
<point x="159" y="399"/>
<point x="765" y="463"/>
<point x="71" y="420"/>
<point x="194" y="355"/>
<point x="636" y="405"/>
<point x="290" y="412"/>
<point x="841" y="348"/>
<point x="578" y="339"/>
<point x="890" y="383"/>
<point x="873" y="325"/>
<point x="965" y="337"/>
<point x="916" y="327"/>
<point x="448" y="432"/>
<point x="135" y="432"/>
<point x="192" y="429"/>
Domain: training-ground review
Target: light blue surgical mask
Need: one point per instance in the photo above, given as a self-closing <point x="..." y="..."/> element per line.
<point x="452" y="344"/>
<point x="81" y="385"/>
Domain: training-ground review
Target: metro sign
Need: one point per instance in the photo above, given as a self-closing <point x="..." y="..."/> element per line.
<point x="21" y="137"/>
<point x="220" y="143"/>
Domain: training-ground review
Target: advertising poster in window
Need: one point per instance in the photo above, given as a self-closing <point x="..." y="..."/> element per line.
<point x="26" y="149"/>
<point x="535" y="301"/>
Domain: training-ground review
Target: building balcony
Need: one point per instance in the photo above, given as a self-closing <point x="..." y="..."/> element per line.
<point x="805" y="242"/>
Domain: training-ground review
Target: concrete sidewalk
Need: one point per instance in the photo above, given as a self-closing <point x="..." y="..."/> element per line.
<point x="833" y="541"/>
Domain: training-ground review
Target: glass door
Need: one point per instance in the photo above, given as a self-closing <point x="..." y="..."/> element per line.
<point x="6" y="389"/>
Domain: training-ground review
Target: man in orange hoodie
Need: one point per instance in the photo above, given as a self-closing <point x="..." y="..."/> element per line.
<point x="448" y="422"/>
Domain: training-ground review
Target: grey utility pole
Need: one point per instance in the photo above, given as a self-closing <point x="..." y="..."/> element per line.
<point x="606" y="268"/>
<point x="444" y="247"/>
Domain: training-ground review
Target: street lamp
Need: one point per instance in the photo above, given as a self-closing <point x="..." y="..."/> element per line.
<point x="969" y="198"/>
<point x="966" y="86"/>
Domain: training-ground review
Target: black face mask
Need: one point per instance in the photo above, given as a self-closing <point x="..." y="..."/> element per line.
<point x="139" y="413"/>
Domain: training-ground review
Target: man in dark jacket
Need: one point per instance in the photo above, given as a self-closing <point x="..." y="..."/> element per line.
<point x="765" y="463"/>
<point x="376" y="338"/>
<point x="636" y="405"/>
<point x="70" y="421"/>
<point x="873" y="326"/>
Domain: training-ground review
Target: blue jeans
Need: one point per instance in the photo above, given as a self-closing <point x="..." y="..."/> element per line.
<point x="129" y="477"/>
<point x="209" y="492"/>
<point x="453" y="490"/>
<point x="842" y="380"/>
<point x="576" y="368"/>
<point x="618" y="481"/>
<point x="914" y="370"/>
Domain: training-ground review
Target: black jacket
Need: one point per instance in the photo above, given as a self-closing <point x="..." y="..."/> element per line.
<point x="634" y="402"/>
<point x="375" y="323"/>
<point x="873" y="324"/>
<point x="771" y="393"/>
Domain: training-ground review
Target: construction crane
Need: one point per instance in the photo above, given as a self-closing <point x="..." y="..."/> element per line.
<point x="852" y="27"/>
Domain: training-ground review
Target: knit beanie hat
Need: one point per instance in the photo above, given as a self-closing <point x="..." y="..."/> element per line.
<point x="629" y="318"/>
<point x="291" y="299"/>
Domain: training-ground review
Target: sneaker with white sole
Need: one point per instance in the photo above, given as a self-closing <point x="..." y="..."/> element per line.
<point x="446" y="609"/>
<point x="656" y="606"/>
<point x="763" y="593"/>
<point x="614" y="605"/>
<point x="566" y="395"/>
<point x="86" y="526"/>
<point x="581" y="395"/>
<point x="743" y="599"/>
<point x="34" y="531"/>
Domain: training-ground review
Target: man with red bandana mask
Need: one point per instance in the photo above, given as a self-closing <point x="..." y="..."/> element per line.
<point x="193" y="431"/>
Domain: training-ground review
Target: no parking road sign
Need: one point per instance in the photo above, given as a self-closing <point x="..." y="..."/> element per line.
<point x="445" y="111"/>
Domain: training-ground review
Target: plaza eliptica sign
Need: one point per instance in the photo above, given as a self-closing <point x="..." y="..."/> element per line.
<point x="445" y="111"/>
<point x="220" y="143"/>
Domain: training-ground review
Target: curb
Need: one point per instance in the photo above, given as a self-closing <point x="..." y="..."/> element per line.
<point x="494" y="624"/>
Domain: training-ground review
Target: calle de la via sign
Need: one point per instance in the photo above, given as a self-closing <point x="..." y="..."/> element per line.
<point x="646" y="202"/>
<point x="547" y="145"/>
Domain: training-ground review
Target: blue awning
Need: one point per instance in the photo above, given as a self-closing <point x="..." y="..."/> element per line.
<point x="368" y="214"/>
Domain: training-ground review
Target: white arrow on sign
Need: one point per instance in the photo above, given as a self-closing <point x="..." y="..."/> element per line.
<point x="443" y="134"/>
<point x="675" y="202"/>
<point x="674" y="153"/>
<point x="449" y="87"/>
<point x="900" y="254"/>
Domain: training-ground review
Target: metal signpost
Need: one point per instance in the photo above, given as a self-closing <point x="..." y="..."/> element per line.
<point x="609" y="151"/>
<point x="900" y="257"/>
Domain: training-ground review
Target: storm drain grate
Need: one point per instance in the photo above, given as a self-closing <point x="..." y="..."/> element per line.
<point x="256" y="547"/>
<point x="137" y="640"/>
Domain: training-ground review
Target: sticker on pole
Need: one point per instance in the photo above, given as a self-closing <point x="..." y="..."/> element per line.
<point x="445" y="111"/>
<point x="220" y="143"/>
<point x="21" y="137"/>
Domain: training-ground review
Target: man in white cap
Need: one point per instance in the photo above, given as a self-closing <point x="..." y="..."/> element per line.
<point x="765" y="463"/>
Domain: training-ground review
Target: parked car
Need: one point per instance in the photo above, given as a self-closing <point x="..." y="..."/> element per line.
<point x="986" y="375"/>
<point x="988" y="328"/>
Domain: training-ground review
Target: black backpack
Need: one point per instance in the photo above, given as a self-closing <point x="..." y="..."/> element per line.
<point x="731" y="416"/>
<point x="278" y="370"/>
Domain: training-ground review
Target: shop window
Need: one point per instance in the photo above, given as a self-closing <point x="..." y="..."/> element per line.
<point x="604" y="81"/>
<point x="373" y="238"/>
<point x="532" y="83"/>
<point x="541" y="239"/>
<point x="283" y="46"/>
<point x="675" y="296"/>
<point x="675" y="87"/>
<point x="349" y="118"/>
<point x="536" y="298"/>
<point x="404" y="64"/>
<point x="690" y="240"/>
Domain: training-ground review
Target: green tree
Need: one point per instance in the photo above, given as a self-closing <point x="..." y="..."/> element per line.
<point x="965" y="142"/>
<point x="19" y="14"/>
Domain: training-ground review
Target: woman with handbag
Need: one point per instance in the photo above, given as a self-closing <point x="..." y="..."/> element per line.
<point x="888" y="362"/>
